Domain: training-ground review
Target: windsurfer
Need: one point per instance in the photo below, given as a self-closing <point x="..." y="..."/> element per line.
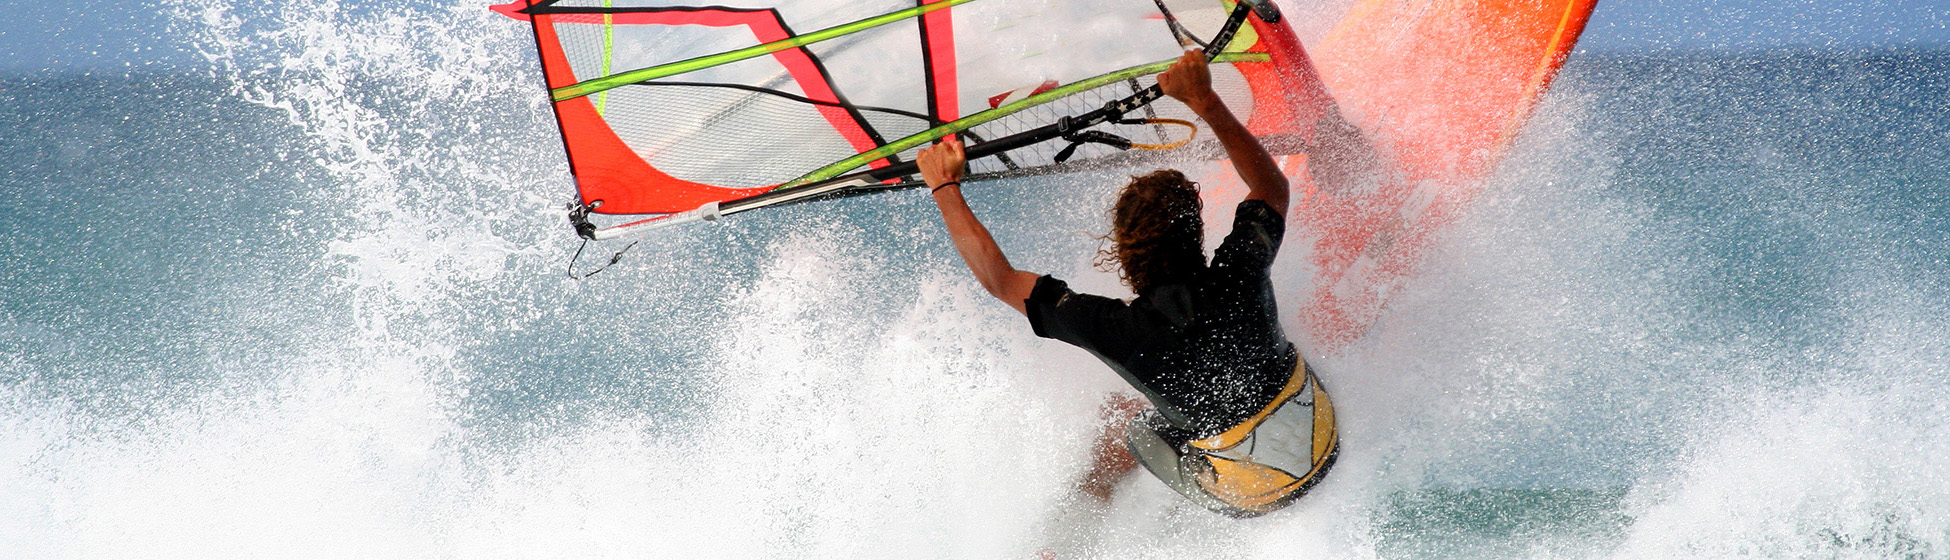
<point x="1201" y="341"/>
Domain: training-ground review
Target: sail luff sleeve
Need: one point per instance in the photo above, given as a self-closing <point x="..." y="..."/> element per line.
<point x="605" y="83"/>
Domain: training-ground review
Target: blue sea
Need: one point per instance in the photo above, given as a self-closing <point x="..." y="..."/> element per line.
<point x="307" y="300"/>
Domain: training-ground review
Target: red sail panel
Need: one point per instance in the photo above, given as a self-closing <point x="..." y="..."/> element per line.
<point x="938" y="46"/>
<point x="608" y="168"/>
<point x="605" y="168"/>
<point x="1288" y="97"/>
<point x="1440" y="92"/>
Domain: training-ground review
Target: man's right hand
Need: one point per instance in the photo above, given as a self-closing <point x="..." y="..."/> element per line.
<point x="942" y="163"/>
<point x="1190" y="82"/>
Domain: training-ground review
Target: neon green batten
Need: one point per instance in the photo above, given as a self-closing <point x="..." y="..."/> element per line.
<point x="605" y="83"/>
<point x="984" y="117"/>
<point x="609" y="50"/>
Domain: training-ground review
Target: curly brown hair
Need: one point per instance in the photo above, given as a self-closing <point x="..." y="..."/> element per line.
<point x="1156" y="232"/>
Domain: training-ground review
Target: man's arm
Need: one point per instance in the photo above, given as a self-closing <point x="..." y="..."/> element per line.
<point x="941" y="165"/>
<point x="1190" y="82"/>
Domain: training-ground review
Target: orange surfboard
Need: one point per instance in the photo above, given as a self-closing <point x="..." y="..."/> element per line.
<point x="1437" y="89"/>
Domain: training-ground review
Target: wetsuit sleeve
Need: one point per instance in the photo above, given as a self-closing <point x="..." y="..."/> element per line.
<point x="1092" y="322"/>
<point x="1255" y="237"/>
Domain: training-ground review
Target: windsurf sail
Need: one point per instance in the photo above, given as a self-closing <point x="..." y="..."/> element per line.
<point x="681" y="113"/>
<point x="1440" y="91"/>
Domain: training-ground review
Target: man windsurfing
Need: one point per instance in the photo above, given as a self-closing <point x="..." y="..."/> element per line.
<point x="1238" y="423"/>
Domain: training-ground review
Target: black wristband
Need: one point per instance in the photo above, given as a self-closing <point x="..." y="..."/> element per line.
<point x="945" y="185"/>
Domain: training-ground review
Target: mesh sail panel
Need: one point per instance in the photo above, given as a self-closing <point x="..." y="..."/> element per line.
<point x="1226" y="80"/>
<point x="771" y="139"/>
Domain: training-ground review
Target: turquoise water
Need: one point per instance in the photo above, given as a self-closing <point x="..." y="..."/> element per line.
<point x="307" y="301"/>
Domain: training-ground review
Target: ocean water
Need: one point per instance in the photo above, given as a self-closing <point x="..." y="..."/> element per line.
<point x="307" y="300"/>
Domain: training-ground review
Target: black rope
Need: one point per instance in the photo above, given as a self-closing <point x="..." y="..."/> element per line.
<point x="612" y="260"/>
<point x="1078" y="138"/>
<point x="579" y="219"/>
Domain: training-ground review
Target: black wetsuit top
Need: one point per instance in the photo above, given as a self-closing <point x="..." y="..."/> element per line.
<point x="1209" y="354"/>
